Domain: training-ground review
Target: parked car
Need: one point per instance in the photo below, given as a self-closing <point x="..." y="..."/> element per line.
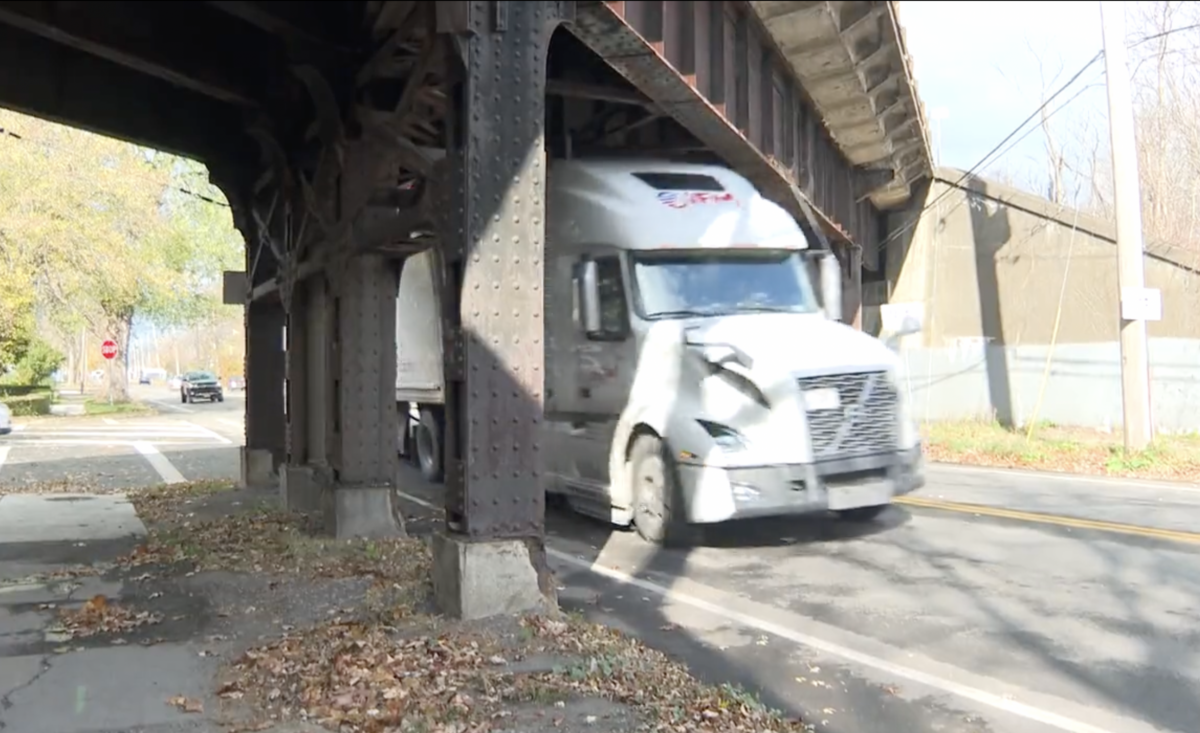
<point x="200" y="385"/>
<point x="5" y="419"/>
<point x="237" y="384"/>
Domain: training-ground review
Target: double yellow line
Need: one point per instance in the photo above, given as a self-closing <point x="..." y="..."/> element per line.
<point x="1169" y="535"/>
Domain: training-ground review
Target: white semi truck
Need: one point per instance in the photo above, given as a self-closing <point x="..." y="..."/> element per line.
<point x="692" y="376"/>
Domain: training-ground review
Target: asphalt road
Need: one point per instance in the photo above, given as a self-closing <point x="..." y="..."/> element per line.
<point x="993" y="601"/>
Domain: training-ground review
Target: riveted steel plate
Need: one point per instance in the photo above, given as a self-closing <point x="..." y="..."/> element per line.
<point x="499" y="179"/>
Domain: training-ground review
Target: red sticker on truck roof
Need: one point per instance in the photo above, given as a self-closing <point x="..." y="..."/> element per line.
<point x="684" y="199"/>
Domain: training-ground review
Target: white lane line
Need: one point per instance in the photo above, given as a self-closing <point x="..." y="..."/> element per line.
<point x="998" y="702"/>
<point x="123" y="441"/>
<point x="3" y="455"/>
<point x="159" y="463"/>
<point x="117" y="434"/>
<point x="210" y="433"/>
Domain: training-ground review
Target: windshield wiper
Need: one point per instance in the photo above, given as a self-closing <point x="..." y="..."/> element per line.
<point x="767" y="309"/>
<point x="681" y="314"/>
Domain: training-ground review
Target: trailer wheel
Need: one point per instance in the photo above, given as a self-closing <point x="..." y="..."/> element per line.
<point x="657" y="503"/>
<point x="429" y="445"/>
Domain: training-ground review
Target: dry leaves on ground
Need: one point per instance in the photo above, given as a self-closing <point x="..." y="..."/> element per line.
<point x="186" y="704"/>
<point x="169" y="502"/>
<point x="83" y="484"/>
<point x="99" y="616"/>
<point x="352" y="677"/>
<point x="276" y="542"/>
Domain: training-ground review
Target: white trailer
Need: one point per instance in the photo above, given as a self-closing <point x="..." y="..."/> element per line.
<point x="692" y="376"/>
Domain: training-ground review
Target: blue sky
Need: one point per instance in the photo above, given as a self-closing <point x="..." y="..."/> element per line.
<point x="977" y="64"/>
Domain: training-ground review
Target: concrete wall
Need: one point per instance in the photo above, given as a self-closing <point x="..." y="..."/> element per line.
<point x="994" y="269"/>
<point x="1082" y="387"/>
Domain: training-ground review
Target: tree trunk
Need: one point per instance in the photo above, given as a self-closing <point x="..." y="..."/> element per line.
<point x="119" y="328"/>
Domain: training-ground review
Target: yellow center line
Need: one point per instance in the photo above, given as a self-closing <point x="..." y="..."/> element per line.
<point x="1054" y="519"/>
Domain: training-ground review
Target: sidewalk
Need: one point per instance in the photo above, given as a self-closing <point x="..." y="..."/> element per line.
<point x="196" y="607"/>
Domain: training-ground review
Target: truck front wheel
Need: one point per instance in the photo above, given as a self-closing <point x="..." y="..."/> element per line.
<point x="429" y="445"/>
<point x="657" y="504"/>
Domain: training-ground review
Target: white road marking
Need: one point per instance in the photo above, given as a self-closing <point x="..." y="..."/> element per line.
<point x="109" y="421"/>
<point x="210" y="433"/>
<point x="231" y="423"/>
<point x="159" y="463"/>
<point x="999" y="702"/>
<point x="120" y="435"/>
<point x="3" y="455"/>
<point x="115" y="442"/>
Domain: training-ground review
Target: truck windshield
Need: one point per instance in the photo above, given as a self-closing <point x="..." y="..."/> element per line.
<point x="706" y="283"/>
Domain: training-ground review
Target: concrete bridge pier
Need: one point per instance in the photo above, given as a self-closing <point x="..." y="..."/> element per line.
<point x="491" y="558"/>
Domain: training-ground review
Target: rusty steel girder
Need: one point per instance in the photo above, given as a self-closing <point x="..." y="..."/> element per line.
<point x="492" y="208"/>
<point x="712" y="66"/>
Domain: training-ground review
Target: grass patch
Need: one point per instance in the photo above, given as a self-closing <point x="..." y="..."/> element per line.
<point x="1058" y="448"/>
<point x="100" y="406"/>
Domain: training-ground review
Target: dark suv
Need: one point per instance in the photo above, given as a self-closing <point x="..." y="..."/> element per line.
<point x="200" y="386"/>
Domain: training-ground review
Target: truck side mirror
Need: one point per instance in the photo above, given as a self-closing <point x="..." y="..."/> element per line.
<point x="589" y="296"/>
<point x="831" y="285"/>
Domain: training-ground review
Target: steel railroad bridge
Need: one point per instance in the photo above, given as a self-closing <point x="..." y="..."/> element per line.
<point x="349" y="134"/>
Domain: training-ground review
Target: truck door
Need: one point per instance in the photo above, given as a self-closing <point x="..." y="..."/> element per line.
<point x="602" y="366"/>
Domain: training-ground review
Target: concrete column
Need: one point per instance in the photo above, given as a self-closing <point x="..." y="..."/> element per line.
<point x="492" y="558"/>
<point x="265" y="421"/>
<point x="362" y="445"/>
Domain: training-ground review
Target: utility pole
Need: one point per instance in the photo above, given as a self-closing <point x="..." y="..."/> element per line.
<point x="1135" y="360"/>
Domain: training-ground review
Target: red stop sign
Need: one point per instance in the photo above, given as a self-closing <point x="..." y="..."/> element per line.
<point x="108" y="349"/>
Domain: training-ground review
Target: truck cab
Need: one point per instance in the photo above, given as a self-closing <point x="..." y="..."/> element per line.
<point x="692" y="374"/>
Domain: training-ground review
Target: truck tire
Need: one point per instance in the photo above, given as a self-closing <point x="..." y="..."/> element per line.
<point x="428" y="441"/>
<point x="862" y="513"/>
<point x="183" y="397"/>
<point x="657" y="500"/>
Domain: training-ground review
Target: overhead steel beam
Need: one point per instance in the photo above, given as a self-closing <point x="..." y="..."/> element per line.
<point x="712" y="67"/>
<point x="74" y="88"/>
<point x="139" y="41"/>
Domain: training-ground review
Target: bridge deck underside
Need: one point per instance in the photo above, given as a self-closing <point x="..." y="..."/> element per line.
<point x="316" y="119"/>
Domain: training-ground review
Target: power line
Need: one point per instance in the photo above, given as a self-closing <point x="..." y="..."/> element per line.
<point x="1034" y="115"/>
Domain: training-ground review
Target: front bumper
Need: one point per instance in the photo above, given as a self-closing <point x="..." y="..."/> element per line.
<point x="203" y="391"/>
<point x="720" y="494"/>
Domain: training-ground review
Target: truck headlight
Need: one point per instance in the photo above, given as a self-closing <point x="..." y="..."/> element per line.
<point x="724" y="436"/>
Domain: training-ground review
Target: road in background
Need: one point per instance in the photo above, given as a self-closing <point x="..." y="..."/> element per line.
<point x="994" y="601"/>
<point x="180" y="443"/>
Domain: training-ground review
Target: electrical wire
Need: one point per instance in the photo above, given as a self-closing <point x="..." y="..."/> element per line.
<point x="1000" y="150"/>
<point x="988" y="158"/>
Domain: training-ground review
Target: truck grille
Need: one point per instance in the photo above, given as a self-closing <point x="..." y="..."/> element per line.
<point x="870" y="417"/>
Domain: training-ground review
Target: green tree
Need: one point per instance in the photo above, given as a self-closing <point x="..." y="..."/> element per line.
<point x="100" y="231"/>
